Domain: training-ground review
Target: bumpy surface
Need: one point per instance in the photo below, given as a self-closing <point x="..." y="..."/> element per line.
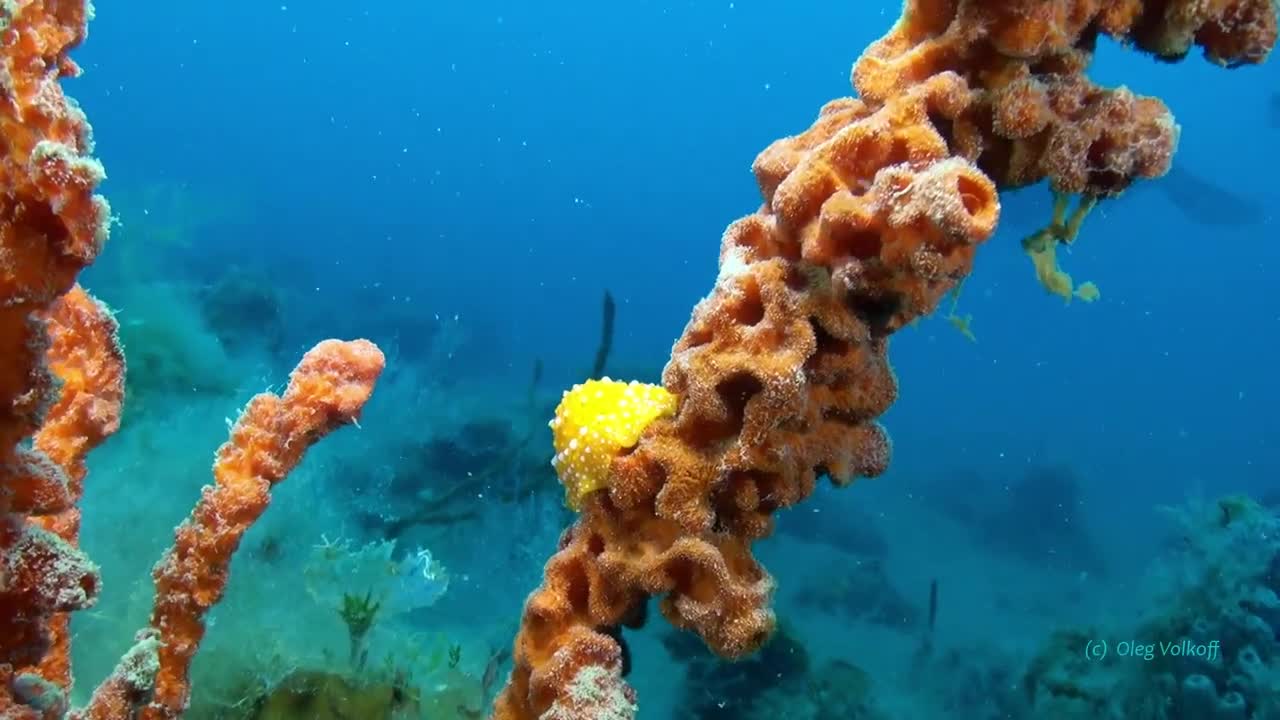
<point x="1031" y="112"/>
<point x="594" y="422"/>
<point x="327" y="390"/>
<point x="870" y="217"/>
<point x="61" y="390"/>
<point x="51" y="226"/>
<point x="52" y="223"/>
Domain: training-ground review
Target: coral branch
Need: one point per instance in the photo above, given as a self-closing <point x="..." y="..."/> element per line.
<point x="51" y="227"/>
<point x="326" y="391"/>
<point x="61" y="390"/>
<point x="85" y="355"/>
<point x="53" y="224"/>
<point x="45" y="576"/>
<point x="129" y="688"/>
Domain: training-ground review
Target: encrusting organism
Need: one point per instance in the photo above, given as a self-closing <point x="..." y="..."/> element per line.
<point x="61" y="394"/>
<point x="870" y="218"/>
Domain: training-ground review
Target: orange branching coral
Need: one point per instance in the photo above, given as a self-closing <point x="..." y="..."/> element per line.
<point x="60" y="366"/>
<point x="326" y="390"/>
<point x="43" y="576"/>
<point x="125" y="692"/>
<point x="85" y="356"/>
<point x="1032" y="113"/>
<point x="52" y="223"/>
<point x="61" y="389"/>
<point x="51" y="226"/>
<point x="870" y="217"/>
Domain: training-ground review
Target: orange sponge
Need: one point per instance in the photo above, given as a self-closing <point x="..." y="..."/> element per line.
<point x="870" y="218"/>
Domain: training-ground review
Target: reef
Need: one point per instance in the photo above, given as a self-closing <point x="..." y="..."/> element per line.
<point x="862" y="591"/>
<point x="1208" y="650"/>
<point x="779" y="681"/>
<point x="62" y="393"/>
<point x="870" y="217"/>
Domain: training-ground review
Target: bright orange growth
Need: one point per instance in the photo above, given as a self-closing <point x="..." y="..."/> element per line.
<point x="51" y="227"/>
<point x="594" y="422"/>
<point x="84" y="355"/>
<point x="61" y="389"/>
<point x="870" y="217"/>
<point x="326" y="391"/>
<point x="45" y="577"/>
<point x="53" y="224"/>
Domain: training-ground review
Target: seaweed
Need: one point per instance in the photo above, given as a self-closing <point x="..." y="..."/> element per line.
<point x="606" y="337"/>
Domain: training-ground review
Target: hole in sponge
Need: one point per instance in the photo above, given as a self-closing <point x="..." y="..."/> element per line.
<point x="943" y="125"/>
<point x="827" y="344"/>
<point x="877" y="312"/>
<point x="972" y="194"/>
<point x="692" y="581"/>
<point x="747" y="307"/>
<point x="695" y="337"/>
<point x="577" y="588"/>
<point x="797" y="279"/>
<point x="858" y="243"/>
<point x="736" y="391"/>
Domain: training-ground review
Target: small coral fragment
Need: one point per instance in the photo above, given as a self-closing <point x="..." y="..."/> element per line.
<point x="594" y="422"/>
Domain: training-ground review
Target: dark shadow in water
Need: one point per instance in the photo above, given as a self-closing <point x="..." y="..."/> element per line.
<point x="1206" y="202"/>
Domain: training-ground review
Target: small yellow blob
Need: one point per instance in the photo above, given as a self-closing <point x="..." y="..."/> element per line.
<point x="595" y="421"/>
<point x="1088" y="292"/>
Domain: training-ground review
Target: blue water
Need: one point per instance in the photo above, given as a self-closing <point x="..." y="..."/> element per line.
<point x="479" y="174"/>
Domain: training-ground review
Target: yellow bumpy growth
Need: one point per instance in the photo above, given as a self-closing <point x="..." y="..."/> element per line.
<point x="595" y="421"/>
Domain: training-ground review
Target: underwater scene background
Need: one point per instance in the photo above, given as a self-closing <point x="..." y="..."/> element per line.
<point x="1080" y="515"/>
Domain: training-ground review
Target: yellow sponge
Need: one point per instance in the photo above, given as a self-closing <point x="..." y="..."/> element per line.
<point x="594" y="422"/>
